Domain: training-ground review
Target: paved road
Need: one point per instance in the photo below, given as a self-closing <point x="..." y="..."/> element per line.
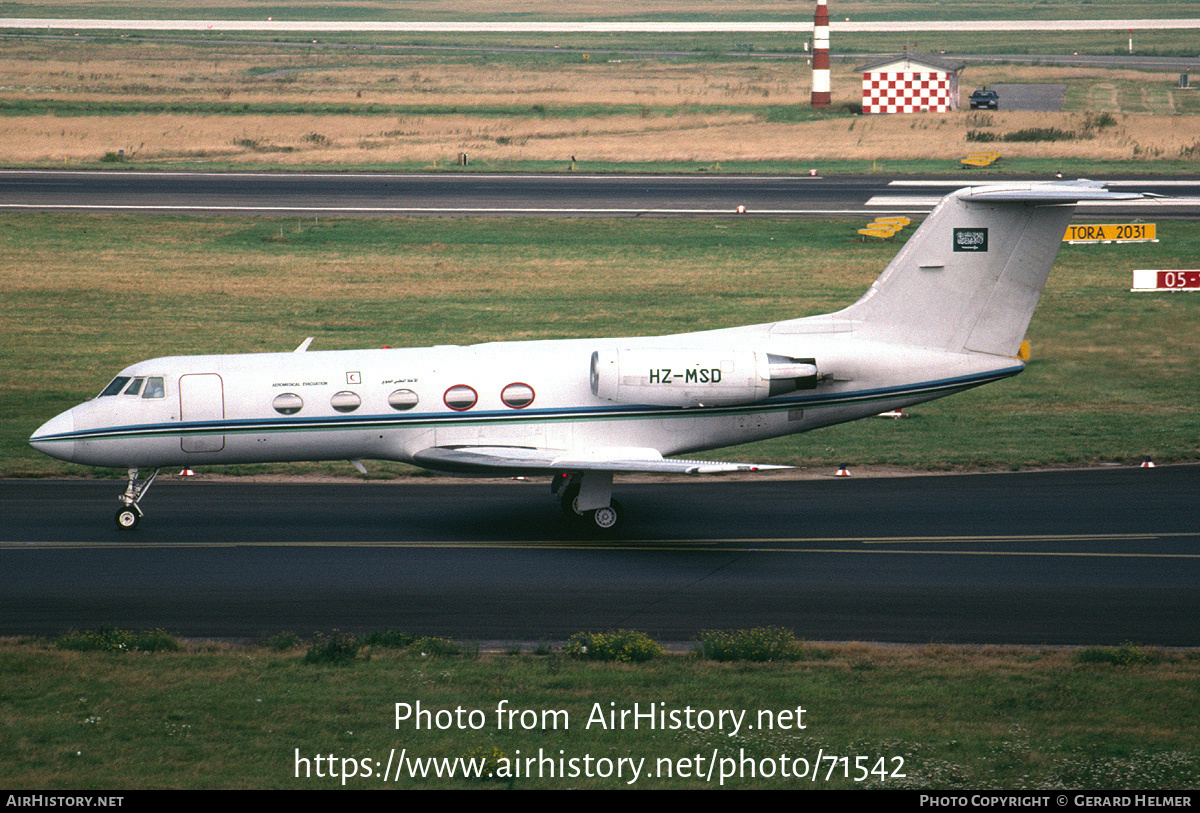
<point x="1093" y="557"/>
<point x="1184" y="64"/>
<point x="481" y="194"/>
<point x="1044" y="97"/>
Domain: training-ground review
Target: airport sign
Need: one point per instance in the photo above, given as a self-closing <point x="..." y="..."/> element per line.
<point x="1111" y="233"/>
<point x="1154" y="280"/>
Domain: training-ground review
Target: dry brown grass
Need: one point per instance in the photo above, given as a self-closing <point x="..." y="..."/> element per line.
<point x="677" y="111"/>
<point x="257" y="75"/>
<point x="435" y="140"/>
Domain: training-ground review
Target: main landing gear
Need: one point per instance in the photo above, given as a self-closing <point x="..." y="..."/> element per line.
<point x="130" y="514"/>
<point x="587" y="498"/>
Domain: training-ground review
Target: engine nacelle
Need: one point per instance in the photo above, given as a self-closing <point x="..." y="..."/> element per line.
<point x="693" y="378"/>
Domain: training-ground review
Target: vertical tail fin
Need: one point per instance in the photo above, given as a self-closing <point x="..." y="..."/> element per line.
<point x="970" y="277"/>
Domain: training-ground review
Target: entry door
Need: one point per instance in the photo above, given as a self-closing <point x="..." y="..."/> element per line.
<point x="201" y="398"/>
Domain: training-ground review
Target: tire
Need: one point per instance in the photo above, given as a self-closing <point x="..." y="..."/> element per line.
<point x="569" y="500"/>
<point x="606" y="520"/>
<point x="128" y="519"/>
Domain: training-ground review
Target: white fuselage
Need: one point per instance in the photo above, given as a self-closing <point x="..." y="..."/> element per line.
<point x="393" y="403"/>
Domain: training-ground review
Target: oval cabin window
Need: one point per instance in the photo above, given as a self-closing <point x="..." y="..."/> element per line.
<point x="517" y="396"/>
<point x="345" y="401"/>
<point x="288" y="403"/>
<point x="402" y="400"/>
<point x="460" y="397"/>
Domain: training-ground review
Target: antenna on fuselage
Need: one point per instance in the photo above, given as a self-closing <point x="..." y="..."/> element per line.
<point x="304" y="345"/>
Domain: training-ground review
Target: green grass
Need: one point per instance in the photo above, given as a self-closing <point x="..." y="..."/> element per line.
<point x="1112" y="377"/>
<point x="704" y="46"/>
<point x="702" y="10"/>
<point x="224" y="716"/>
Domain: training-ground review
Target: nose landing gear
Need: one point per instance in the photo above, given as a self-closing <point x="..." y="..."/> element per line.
<point x="130" y="513"/>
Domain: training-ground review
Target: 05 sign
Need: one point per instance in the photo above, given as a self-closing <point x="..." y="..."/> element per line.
<point x="1178" y="279"/>
<point x="1155" y="280"/>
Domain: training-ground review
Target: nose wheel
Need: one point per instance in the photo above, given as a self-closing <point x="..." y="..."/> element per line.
<point x="130" y="513"/>
<point x="128" y="518"/>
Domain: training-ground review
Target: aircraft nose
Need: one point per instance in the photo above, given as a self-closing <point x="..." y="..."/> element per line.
<point x="53" y="437"/>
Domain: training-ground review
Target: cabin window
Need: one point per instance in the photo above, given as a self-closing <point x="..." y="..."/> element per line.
<point x="517" y="396"/>
<point x="115" y="386"/>
<point x="402" y="400"/>
<point x="154" y="388"/>
<point x="288" y="403"/>
<point x="460" y="397"/>
<point x="345" y="401"/>
<point x="136" y="387"/>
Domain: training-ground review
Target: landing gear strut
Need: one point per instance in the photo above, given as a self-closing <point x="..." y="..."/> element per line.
<point x="587" y="497"/>
<point x="130" y="513"/>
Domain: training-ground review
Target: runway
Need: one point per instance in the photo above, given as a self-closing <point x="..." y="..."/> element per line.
<point x="475" y="194"/>
<point x="1101" y="556"/>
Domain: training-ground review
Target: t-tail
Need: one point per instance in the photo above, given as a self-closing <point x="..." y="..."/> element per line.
<point x="970" y="277"/>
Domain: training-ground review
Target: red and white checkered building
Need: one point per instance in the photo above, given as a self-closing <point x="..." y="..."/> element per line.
<point x="910" y="84"/>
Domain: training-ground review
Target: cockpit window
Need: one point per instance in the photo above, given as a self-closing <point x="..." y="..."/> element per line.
<point x="145" y="386"/>
<point x="115" y="386"/>
<point x="154" y="388"/>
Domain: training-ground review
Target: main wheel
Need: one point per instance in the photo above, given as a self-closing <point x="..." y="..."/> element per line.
<point x="128" y="519"/>
<point x="606" y="520"/>
<point x="570" y="500"/>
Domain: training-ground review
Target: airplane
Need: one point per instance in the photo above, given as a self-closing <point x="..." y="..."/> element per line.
<point x="948" y="314"/>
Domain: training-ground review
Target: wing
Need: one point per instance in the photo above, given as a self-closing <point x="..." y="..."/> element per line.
<point x="518" y="460"/>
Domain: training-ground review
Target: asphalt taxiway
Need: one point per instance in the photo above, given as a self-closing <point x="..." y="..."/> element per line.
<point x="476" y="194"/>
<point x="1101" y="556"/>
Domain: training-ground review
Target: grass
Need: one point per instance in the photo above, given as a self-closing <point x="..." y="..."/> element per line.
<point x="1111" y="379"/>
<point x="623" y="9"/>
<point x="246" y="104"/>
<point x="703" y="47"/>
<point x="247" y="716"/>
<point x="674" y="10"/>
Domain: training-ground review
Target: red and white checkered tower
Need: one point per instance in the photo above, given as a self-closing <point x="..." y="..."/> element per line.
<point x="820" y="79"/>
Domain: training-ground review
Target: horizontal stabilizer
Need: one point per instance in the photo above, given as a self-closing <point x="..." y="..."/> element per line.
<point x="969" y="278"/>
<point x="512" y="460"/>
<point x="1044" y="193"/>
